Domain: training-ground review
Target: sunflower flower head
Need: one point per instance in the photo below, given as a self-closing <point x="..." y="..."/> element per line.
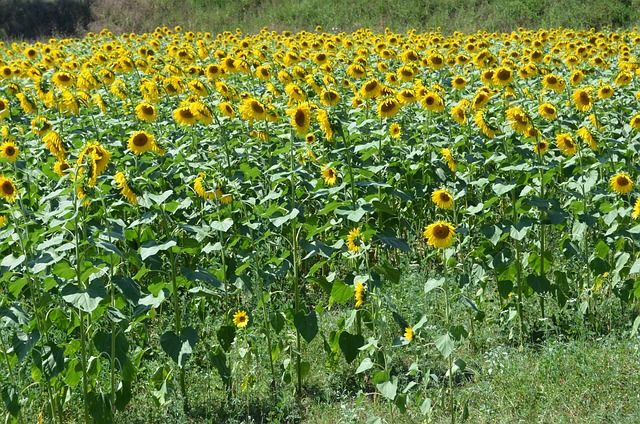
<point x="141" y="142"/>
<point x="636" y="209"/>
<point x="359" y="293"/>
<point x="8" y="189"/>
<point x="329" y="175"/>
<point x="621" y="183"/>
<point x="566" y="144"/>
<point x="241" y="319"/>
<point x="354" y="240"/>
<point x="439" y="234"/>
<point x="9" y="150"/>
<point x="408" y="333"/>
<point x="442" y="198"/>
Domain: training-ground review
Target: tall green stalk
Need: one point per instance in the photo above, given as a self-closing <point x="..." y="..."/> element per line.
<point x="296" y="277"/>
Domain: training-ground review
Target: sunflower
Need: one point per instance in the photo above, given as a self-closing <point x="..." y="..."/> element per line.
<point x="300" y="118"/>
<point x="582" y="100"/>
<point x="484" y="126"/>
<point x="127" y="193"/>
<point x="395" y="130"/>
<point x="330" y="175"/>
<point x="61" y="167"/>
<point x="329" y="97"/>
<point x="503" y="76"/>
<point x="184" y="116"/>
<point x="146" y="112"/>
<point x="354" y="240"/>
<point x="541" y="147"/>
<point x="446" y="153"/>
<point x="407" y="95"/>
<point x="356" y="70"/>
<point x="621" y="183"/>
<point x="588" y="138"/>
<point x="55" y="144"/>
<point x="4" y="108"/>
<point x="26" y="103"/>
<point x="388" y="107"/>
<point x="240" y="319"/>
<point x="141" y="142"/>
<point x="548" y="111"/>
<point x="63" y="79"/>
<point x="406" y="73"/>
<point x="553" y="82"/>
<point x="227" y="110"/>
<point x="252" y="109"/>
<point x="576" y="77"/>
<point x="433" y="102"/>
<point x="623" y="78"/>
<point x="9" y="150"/>
<point x="8" y="189"/>
<point x="40" y="125"/>
<point x="459" y="115"/>
<point x="480" y="100"/>
<point x="359" y="293"/>
<point x="3" y="220"/>
<point x="442" y="198"/>
<point x="198" y="186"/>
<point x="408" y="333"/>
<point x="519" y="119"/>
<point x="635" y="122"/>
<point x="458" y="82"/>
<point x="322" y="117"/>
<point x="439" y="234"/>
<point x="636" y="209"/>
<point x="605" y="92"/>
<point x="370" y="89"/>
<point x="98" y="159"/>
<point x="566" y="144"/>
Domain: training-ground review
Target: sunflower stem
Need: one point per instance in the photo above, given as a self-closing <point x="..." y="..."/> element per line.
<point x="294" y="248"/>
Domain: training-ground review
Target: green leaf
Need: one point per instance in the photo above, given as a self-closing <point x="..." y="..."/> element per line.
<point x="102" y="341"/>
<point x="151" y="247"/>
<point x="388" y="388"/>
<point x="49" y="360"/>
<point x="492" y="233"/>
<point x="539" y="283"/>
<point x="159" y="199"/>
<point x="433" y="283"/>
<point x="219" y="360"/>
<point x="203" y="276"/>
<point x="179" y="348"/>
<point x="277" y="320"/>
<point x="85" y="300"/>
<point x="445" y="345"/>
<point x="307" y="325"/>
<point x="365" y="365"/>
<point x="341" y="292"/>
<point x="10" y="396"/>
<point x="505" y="287"/>
<point x="22" y="343"/>
<point x="634" y="328"/>
<point x="100" y="407"/>
<point x="123" y="395"/>
<point x="12" y="261"/>
<point x="130" y="289"/>
<point x="222" y="225"/>
<point x="350" y="345"/>
<point x="226" y="334"/>
<point x="285" y="218"/>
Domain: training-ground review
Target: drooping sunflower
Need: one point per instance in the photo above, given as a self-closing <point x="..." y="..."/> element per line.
<point x="395" y="130"/>
<point x="40" y="125"/>
<point x="329" y="97"/>
<point x="480" y="100"/>
<point x="519" y="119"/>
<point x="635" y="122"/>
<point x="354" y="240"/>
<point x="582" y="100"/>
<point x="125" y="190"/>
<point x="408" y="333"/>
<point x="8" y="189"/>
<point x="300" y="118"/>
<point x="330" y="175"/>
<point x="439" y="234"/>
<point x="566" y="144"/>
<point x="388" y="107"/>
<point x="359" y="293"/>
<point x="140" y="142"/>
<point x="199" y="188"/>
<point x="240" y="319"/>
<point x="55" y="144"/>
<point x="548" y="111"/>
<point x="4" y="108"/>
<point x="446" y="153"/>
<point x="370" y="89"/>
<point x="9" y="150"/>
<point x="459" y="114"/>
<point x="577" y="77"/>
<point x="442" y="198"/>
<point x="636" y="209"/>
<point x="588" y="138"/>
<point x="97" y="159"/>
<point x="63" y="79"/>
<point x="553" y="82"/>
<point x="621" y="183"/>
<point x="487" y="129"/>
<point x="227" y="110"/>
<point x="251" y="109"/>
<point x="61" y="167"/>
<point x="322" y="117"/>
<point x="146" y="112"/>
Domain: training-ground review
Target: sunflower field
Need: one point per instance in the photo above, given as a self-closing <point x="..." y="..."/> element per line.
<point x="231" y="207"/>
